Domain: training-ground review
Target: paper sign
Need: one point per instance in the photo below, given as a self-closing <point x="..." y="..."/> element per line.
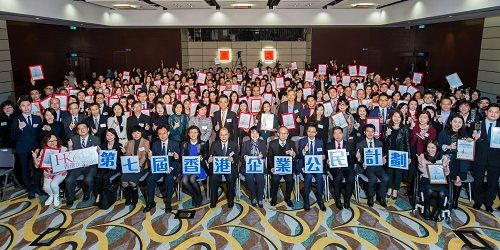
<point x="130" y="164"/>
<point x="337" y="158"/>
<point x="36" y="72"/>
<point x="74" y="159"/>
<point x="454" y="81"/>
<point x="353" y="70"/>
<point x="322" y="69"/>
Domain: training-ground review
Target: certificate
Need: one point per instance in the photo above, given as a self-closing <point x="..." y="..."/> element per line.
<point x="267" y="122"/>
<point x="244" y="120"/>
<point x="36" y="72"/>
<point x="339" y="120"/>
<point x="45" y="160"/>
<point x="328" y="109"/>
<point x="376" y="123"/>
<point x="436" y="174"/>
<point x="294" y="65"/>
<point x="202" y="88"/>
<point x="346" y="80"/>
<point x="288" y="121"/>
<point x="417" y="78"/>
<point x="363" y="70"/>
<point x="354" y="104"/>
<point x="353" y="70"/>
<point x="268" y="97"/>
<point x="454" y="81"/>
<point x="309" y="77"/>
<point x="495" y="137"/>
<point x="201" y="78"/>
<point x="235" y="107"/>
<point x="465" y="150"/>
<point x="280" y="82"/>
<point x="322" y="69"/>
<point x="63" y="101"/>
<point x="213" y="108"/>
<point x="307" y="92"/>
<point x="255" y="105"/>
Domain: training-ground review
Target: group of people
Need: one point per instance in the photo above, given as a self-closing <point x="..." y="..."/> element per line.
<point x="182" y="113"/>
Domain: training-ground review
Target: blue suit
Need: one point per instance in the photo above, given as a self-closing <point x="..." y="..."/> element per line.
<point x="377" y="114"/>
<point x="26" y="141"/>
<point x="318" y="149"/>
<point x="168" y="179"/>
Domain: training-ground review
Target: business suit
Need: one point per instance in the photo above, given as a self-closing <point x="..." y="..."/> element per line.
<point x="231" y="123"/>
<point x="374" y="172"/>
<point x="486" y="160"/>
<point x="89" y="171"/>
<point x="100" y="127"/>
<point x="322" y="85"/>
<point x="275" y="149"/>
<point x="5" y="130"/>
<point x="342" y="173"/>
<point x="27" y="141"/>
<point x="216" y="179"/>
<point x="168" y="179"/>
<point x="377" y="113"/>
<point x="68" y="120"/>
<point x="105" y="110"/>
<point x="140" y="121"/>
<point x="297" y="110"/>
<point x="317" y="149"/>
<point x="61" y="115"/>
<point x="255" y="182"/>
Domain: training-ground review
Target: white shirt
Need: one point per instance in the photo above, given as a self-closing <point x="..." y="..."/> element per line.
<point x="337" y="144"/>
<point x="84" y="140"/>
<point x="282" y="143"/>
<point x="372" y="143"/>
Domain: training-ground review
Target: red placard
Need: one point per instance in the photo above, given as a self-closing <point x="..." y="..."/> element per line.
<point x="63" y="101"/>
<point x="417" y="78"/>
<point x="36" y="72"/>
<point x="46" y="152"/>
<point x="363" y="70"/>
<point x="255" y="104"/>
<point x="45" y="102"/>
<point x="288" y="121"/>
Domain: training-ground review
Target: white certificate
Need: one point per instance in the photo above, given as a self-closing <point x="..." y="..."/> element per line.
<point x="436" y="174"/>
<point x="244" y="120"/>
<point x="288" y="121"/>
<point x="322" y="69"/>
<point x="465" y="150"/>
<point x="267" y="122"/>
<point x="495" y="137"/>
<point x="328" y="108"/>
<point x="309" y="76"/>
<point x="339" y="120"/>
<point x="454" y="81"/>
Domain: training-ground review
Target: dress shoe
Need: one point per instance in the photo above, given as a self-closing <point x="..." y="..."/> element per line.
<point x="168" y="207"/>
<point x="69" y="203"/>
<point x="273" y="203"/>
<point x="31" y="195"/>
<point x="148" y="207"/>
<point x="338" y="204"/>
<point x="322" y="206"/>
<point x="212" y="205"/>
<point x="383" y="204"/>
<point x="436" y="215"/>
<point x="86" y="198"/>
<point x="489" y="208"/>
<point x="230" y="204"/>
<point x="427" y="213"/>
<point x="254" y="202"/>
<point x="289" y="203"/>
<point x="347" y="204"/>
<point x="477" y="206"/>
<point x="49" y="200"/>
<point x="306" y="207"/>
<point x="261" y="205"/>
<point x="370" y="201"/>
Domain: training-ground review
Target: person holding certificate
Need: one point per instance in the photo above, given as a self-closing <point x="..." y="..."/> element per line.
<point x="454" y="130"/>
<point x="358" y="125"/>
<point x="267" y="122"/>
<point x="486" y="159"/>
<point x="291" y="106"/>
<point x="347" y="123"/>
<point x="432" y="155"/>
<point x="225" y="118"/>
<point x="321" y="122"/>
<point x="203" y="122"/>
<point x="255" y="181"/>
<point x="281" y="147"/>
<point x="311" y="145"/>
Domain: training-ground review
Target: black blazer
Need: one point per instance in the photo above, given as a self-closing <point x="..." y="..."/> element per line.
<point x="274" y="150"/>
<point x="484" y="153"/>
<point x="349" y="148"/>
<point x="231" y="123"/>
<point x="63" y="115"/>
<point x="134" y="121"/>
<point x="5" y="129"/>
<point x="68" y="120"/>
<point x="26" y="139"/>
<point x="56" y="127"/>
<point x="364" y="144"/>
<point x="202" y="148"/>
<point x="232" y="150"/>
<point x="103" y="124"/>
<point x="402" y="139"/>
<point x="106" y="111"/>
<point x="172" y="146"/>
<point x="246" y="149"/>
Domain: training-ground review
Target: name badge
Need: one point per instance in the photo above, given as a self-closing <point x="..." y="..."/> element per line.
<point x="296" y="111"/>
<point x="170" y="154"/>
<point x="3" y="124"/>
<point x="320" y="126"/>
<point x="141" y="124"/>
<point x="102" y="125"/>
<point x="231" y="154"/>
<point x="204" y="127"/>
<point x="105" y="113"/>
<point x="35" y="125"/>
<point x="229" y="120"/>
<point x="320" y="150"/>
<point x="141" y="149"/>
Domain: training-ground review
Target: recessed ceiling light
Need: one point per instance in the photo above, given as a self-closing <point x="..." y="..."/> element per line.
<point x="363" y="5"/>
<point x="37" y="18"/>
<point x="242" y="5"/>
<point x="125" y="5"/>
<point x="450" y="16"/>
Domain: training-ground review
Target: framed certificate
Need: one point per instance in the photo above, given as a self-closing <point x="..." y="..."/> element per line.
<point x="63" y="101"/>
<point x="293" y="65"/>
<point x="45" y="162"/>
<point x="328" y="108"/>
<point x="307" y="92"/>
<point x="454" y="81"/>
<point x="363" y="70"/>
<point x="465" y="150"/>
<point x="213" y="108"/>
<point x="280" y="82"/>
<point x="36" y="72"/>
<point x="288" y="121"/>
<point x="268" y="97"/>
<point x="436" y="174"/>
<point x="346" y="80"/>
<point x="376" y="122"/>
<point x="340" y="120"/>
<point x="201" y="78"/>
<point x="203" y="88"/>
<point x="267" y="122"/>
<point x="309" y="77"/>
<point x="235" y="107"/>
<point x="45" y="103"/>
<point x="495" y="137"/>
<point x="255" y="105"/>
<point x="244" y="120"/>
<point x="417" y="78"/>
<point x="353" y="70"/>
<point x="322" y="69"/>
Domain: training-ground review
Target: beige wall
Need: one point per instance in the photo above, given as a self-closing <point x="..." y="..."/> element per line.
<point x="488" y="79"/>
<point x="6" y="82"/>
<point x="202" y="54"/>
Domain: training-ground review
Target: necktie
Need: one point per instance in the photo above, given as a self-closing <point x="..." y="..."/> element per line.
<point x="163" y="148"/>
<point x="74" y="119"/>
<point x="83" y="143"/>
<point x="223" y="118"/>
<point x="489" y="131"/>
<point x="371" y="145"/>
<point x="311" y="150"/>
<point x="144" y="105"/>
<point x="282" y="144"/>
<point x="383" y="115"/>
<point x="29" y="121"/>
<point x="255" y="150"/>
<point x="224" y="150"/>
<point x="96" y="123"/>
<point x="338" y="146"/>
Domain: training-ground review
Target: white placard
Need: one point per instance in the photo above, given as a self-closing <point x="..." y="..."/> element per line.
<point x="74" y="159"/>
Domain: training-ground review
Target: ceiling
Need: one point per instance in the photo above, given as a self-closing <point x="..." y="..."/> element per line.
<point x="240" y="4"/>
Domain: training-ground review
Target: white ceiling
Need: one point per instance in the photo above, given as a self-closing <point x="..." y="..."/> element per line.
<point x="348" y="4"/>
<point x="124" y="5"/>
<point x="241" y="4"/>
<point x="182" y="4"/>
<point x="295" y="4"/>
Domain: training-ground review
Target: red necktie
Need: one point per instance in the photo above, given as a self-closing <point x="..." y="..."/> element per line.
<point x="338" y="146"/>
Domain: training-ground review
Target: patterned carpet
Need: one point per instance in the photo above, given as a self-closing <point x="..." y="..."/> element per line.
<point x="22" y="221"/>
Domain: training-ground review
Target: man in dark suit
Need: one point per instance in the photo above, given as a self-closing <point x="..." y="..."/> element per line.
<point x="291" y="106"/>
<point x="255" y="182"/>
<point x="225" y="118"/>
<point x="311" y="146"/>
<point x="339" y="174"/>
<point x="104" y="110"/>
<point x="96" y="122"/>
<point x="383" y="111"/>
<point x="74" y="118"/>
<point x="163" y="146"/>
<point x="280" y="147"/>
<point x="55" y="103"/>
<point x="373" y="172"/>
<point x="223" y="147"/>
<point x="322" y="83"/>
<point x="142" y="97"/>
<point x="81" y="141"/>
<point x="138" y="119"/>
<point x="486" y="159"/>
<point x="24" y="132"/>
<point x="444" y="113"/>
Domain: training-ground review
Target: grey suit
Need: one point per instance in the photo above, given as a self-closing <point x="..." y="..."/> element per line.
<point x="89" y="172"/>
<point x="67" y="121"/>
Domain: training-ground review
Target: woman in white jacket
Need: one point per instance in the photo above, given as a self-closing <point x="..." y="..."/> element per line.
<point x="118" y="122"/>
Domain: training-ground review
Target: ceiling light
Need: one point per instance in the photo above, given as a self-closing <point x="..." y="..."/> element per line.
<point x="241" y="5"/>
<point x="125" y="5"/>
<point x="363" y="5"/>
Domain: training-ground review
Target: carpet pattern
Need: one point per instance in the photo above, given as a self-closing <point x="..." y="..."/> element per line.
<point x="84" y="226"/>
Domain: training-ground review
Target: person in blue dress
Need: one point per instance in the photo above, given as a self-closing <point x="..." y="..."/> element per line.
<point x="194" y="146"/>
